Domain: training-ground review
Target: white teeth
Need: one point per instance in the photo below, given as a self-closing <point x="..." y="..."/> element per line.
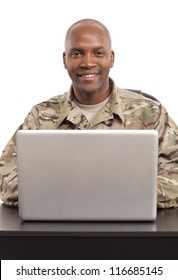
<point x="89" y="75"/>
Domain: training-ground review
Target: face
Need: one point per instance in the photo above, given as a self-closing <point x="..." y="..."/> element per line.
<point x="88" y="59"/>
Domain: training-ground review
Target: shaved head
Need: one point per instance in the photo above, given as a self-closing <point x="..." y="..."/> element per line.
<point x="88" y="22"/>
<point x="88" y="59"/>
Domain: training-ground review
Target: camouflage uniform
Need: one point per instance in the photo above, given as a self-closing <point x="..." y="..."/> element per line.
<point x="124" y="110"/>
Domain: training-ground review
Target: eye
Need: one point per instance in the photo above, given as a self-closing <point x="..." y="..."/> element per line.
<point x="99" y="53"/>
<point x="76" y="54"/>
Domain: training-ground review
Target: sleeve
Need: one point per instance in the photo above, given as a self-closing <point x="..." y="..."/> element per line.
<point x="8" y="163"/>
<point x="167" y="192"/>
<point x="8" y="174"/>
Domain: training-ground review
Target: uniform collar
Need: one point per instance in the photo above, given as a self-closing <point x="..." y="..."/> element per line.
<point x="72" y="113"/>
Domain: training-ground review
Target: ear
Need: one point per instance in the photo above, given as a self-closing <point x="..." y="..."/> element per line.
<point x="112" y="56"/>
<point x="64" y="60"/>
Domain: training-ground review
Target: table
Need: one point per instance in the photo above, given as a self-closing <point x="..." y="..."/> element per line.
<point x="88" y="240"/>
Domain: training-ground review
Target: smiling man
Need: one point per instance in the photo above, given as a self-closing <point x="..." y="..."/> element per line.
<point x="95" y="102"/>
<point x="88" y="58"/>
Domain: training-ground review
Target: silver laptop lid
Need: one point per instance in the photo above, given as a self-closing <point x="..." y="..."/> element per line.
<point x="87" y="175"/>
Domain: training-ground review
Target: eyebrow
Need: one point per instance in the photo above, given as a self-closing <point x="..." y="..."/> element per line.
<point x="82" y="49"/>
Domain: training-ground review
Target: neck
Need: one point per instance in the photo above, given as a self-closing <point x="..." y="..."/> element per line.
<point x="91" y="98"/>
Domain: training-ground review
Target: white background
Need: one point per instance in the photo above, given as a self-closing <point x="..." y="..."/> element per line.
<point x="32" y="32"/>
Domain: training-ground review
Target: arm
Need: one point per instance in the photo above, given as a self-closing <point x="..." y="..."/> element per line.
<point x="8" y="174"/>
<point x="167" y="193"/>
<point x="8" y="163"/>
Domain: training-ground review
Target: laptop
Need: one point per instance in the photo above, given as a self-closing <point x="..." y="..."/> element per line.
<point x="87" y="175"/>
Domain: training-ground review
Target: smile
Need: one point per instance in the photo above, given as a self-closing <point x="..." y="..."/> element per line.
<point x="88" y="76"/>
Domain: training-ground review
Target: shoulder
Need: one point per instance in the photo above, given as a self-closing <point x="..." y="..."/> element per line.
<point x="45" y="115"/>
<point x="134" y="100"/>
<point x="139" y="106"/>
<point x="137" y="95"/>
<point x="53" y="103"/>
<point x="55" y="100"/>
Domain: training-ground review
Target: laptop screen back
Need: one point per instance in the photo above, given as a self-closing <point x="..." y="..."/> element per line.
<point x="87" y="175"/>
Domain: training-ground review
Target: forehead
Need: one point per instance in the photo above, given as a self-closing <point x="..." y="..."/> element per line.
<point x="87" y="35"/>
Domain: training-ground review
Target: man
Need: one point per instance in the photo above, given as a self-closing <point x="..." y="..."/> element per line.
<point x="94" y="102"/>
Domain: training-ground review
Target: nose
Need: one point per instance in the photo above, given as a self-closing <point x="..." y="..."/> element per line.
<point x="88" y="61"/>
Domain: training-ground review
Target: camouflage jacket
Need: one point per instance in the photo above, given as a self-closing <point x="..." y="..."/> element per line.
<point x="124" y="110"/>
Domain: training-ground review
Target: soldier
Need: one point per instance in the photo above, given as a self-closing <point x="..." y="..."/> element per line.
<point x="95" y="102"/>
